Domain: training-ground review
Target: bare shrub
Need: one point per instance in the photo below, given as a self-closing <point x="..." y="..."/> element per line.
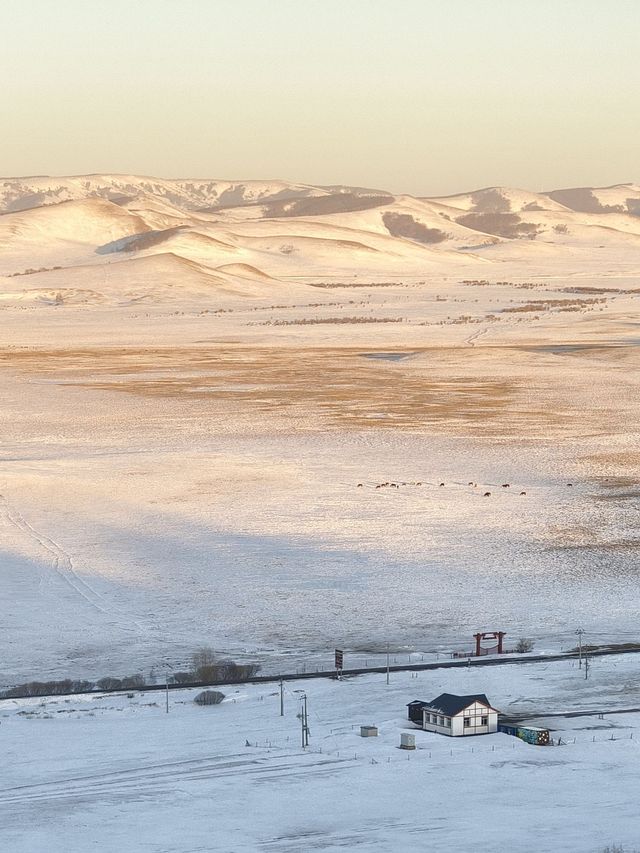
<point x="228" y="670"/>
<point x="500" y="224"/>
<point x="47" y="688"/>
<point x="490" y="201"/>
<point x="524" y="645"/>
<point x="584" y="201"/>
<point x="133" y="682"/>
<point x="404" y="225"/>
<point x="109" y="683"/>
<point x="318" y="321"/>
<point x="209" y="697"/>
<point x="183" y="677"/>
<point x="204" y="656"/>
<point x="561" y="228"/>
<point x="206" y="672"/>
<point x="207" y="668"/>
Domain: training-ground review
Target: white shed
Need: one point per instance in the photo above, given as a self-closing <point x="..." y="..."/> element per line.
<point x="455" y="716"/>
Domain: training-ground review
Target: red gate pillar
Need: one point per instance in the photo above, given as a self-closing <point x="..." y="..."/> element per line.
<point x="477" y="637"/>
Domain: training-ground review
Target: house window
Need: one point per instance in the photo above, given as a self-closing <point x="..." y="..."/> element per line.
<point x="440" y="721"/>
<point x="434" y="719"/>
<point x="484" y="721"/>
<point x="447" y="721"/>
<point x="467" y="722"/>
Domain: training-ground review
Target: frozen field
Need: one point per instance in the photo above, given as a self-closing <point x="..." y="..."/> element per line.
<point x="194" y="451"/>
<point x="111" y="773"/>
<point x="164" y="495"/>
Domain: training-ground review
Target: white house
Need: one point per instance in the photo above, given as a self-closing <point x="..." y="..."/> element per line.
<point x="455" y="716"/>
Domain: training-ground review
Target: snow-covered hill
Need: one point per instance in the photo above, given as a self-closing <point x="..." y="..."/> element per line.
<point x="21" y="193"/>
<point x="300" y="230"/>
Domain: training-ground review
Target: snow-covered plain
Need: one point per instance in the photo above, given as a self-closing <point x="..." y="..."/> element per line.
<point x="113" y="773"/>
<point x="193" y="396"/>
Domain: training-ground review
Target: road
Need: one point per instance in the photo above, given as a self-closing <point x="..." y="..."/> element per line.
<point x="350" y="673"/>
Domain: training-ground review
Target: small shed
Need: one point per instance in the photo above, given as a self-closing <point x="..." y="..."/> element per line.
<point x="455" y="716"/>
<point x="368" y="731"/>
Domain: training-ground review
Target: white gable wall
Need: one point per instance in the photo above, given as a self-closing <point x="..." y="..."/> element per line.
<point x="475" y="714"/>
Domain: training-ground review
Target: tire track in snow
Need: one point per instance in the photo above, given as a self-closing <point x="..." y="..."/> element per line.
<point x="64" y="568"/>
<point x="474" y="337"/>
<point x="146" y="780"/>
<point x="61" y="560"/>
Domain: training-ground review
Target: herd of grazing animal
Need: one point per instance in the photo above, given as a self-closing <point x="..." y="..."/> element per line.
<point x="440" y="485"/>
<point x="392" y="485"/>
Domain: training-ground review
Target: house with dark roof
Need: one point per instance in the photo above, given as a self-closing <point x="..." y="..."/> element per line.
<point x="455" y="716"/>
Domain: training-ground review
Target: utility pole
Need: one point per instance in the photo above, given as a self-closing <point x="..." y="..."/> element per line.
<point x="387" y="663"/>
<point x="586" y="666"/>
<point x="580" y="632"/>
<point x="304" y="721"/>
<point x="281" y="698"/>
<point x="167" y="671"/>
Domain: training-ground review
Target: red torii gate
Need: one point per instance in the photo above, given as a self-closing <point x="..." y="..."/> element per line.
<point x="489" y="635"/>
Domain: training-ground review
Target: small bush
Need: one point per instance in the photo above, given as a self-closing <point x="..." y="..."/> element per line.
<point x="209" y="697"/>
<point x="523" y="645"/>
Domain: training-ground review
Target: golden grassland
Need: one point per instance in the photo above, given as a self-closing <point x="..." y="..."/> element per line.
<point x="511" y="391"/>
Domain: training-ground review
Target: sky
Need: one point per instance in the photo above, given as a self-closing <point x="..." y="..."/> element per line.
<point x="420" y="96"/>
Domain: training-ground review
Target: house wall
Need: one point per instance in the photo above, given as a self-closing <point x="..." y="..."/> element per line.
<point x="473" y="713"/>
<point x="457" y="726"/>
<point x="435" y="727"/>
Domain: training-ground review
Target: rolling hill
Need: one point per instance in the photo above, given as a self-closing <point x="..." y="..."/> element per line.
<point x="200" y="230"/>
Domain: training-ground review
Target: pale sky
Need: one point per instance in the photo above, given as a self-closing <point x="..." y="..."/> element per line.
<point x="419" y="96"/>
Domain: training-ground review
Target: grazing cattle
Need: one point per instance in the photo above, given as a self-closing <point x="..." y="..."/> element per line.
<point x="506" y="486"/>
<point x="569" y="484"/>
<point x="378" y="486"/>
<point x="487" y="495"/>
<point x="441" y="484"/>
<point x="359" y="485"/>
<point x="418" y="484"/>
<point x="523" y="493"/>
<point x="470" y="484"/>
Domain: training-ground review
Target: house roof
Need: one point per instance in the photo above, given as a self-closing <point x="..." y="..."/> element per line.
<point x="450" y="705"/>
